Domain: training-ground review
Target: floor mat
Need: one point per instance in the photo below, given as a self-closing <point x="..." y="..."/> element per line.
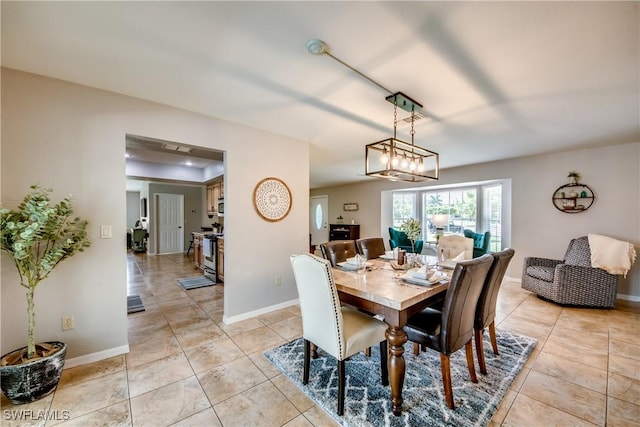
<point x="134" y="304"/>
<point x="195" y="282"/>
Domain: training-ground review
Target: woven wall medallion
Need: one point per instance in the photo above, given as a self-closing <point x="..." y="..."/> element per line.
<point x="272" y="199"/>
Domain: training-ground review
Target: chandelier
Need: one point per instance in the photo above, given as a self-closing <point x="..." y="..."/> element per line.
<point x="399" y="160"/>
<point x="392" y="158"/>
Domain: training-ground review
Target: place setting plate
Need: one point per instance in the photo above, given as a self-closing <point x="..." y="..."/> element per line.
<point x="411" y="276"/>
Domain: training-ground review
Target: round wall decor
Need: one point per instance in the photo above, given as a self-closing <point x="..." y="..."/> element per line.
<point x="272" y="199"/>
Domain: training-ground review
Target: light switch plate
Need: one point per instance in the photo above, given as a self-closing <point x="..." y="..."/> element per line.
<point x="105" y="232"/>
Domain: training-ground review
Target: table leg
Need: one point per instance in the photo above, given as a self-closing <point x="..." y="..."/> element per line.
<point x="396" y="338"/>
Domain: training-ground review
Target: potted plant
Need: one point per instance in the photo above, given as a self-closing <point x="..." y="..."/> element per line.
<point x="573" y="177"/>
<point x="37" y="237"/>
<point x="413" y="229"/>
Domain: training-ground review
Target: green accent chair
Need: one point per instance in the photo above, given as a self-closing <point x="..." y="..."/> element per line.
<point x="398" y="239"/>
<point x="480" y="242"/>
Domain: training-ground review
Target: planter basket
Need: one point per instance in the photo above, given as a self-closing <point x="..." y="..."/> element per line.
<point x="33" y="380"/>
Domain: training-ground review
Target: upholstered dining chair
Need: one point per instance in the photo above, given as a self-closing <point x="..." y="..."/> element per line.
<point x="338" y="250"/>
<point x="448" y="330"/>
<point x="339" y="331"/>
<point x="373" y="246"/>
<point x="452" y="245"/>
<point x="399" y="239"/>
<point x="481" y="241"/>
<point x="486" y="307"/>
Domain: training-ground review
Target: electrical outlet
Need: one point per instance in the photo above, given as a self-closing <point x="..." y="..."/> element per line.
<point x="278" y="280"/>
<point x="67" y="323"/>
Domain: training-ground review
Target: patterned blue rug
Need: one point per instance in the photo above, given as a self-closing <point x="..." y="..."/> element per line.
<point x="368" y="403"/>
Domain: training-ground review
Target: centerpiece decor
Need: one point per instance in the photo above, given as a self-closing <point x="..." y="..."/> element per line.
<point x="37" y="237"/>
<point x="413" y="229"/>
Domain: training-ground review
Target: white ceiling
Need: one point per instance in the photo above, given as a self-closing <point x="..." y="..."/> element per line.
<point x="498" y="79"/>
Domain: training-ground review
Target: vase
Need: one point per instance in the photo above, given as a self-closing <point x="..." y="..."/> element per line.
<point x="34" y="379"/>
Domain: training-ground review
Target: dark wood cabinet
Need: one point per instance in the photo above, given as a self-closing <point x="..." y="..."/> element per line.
<point x="344" y="231"/>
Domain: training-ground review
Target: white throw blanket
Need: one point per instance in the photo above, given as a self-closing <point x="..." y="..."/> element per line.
<point x="611" y="255"/>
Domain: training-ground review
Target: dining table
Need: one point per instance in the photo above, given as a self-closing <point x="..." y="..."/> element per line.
<point x="381" y="290"/>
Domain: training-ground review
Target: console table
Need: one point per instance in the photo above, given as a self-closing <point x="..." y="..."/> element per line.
<point x="344" y="231"/>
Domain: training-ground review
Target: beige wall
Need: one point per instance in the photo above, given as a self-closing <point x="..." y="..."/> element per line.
<point x="537" y="229"/>
<point x="72" y="138"/>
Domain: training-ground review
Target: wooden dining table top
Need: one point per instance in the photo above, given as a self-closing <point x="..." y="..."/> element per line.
<point x="382" y="284"/>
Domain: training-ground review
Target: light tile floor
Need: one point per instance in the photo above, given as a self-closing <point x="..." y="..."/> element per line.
<point x="187" y="368"/>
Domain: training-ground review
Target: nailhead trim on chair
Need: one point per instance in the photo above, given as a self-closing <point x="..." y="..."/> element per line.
<point x="335" y="301"/>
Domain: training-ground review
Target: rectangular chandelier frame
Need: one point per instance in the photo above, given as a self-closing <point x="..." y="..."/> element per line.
<point x="391" y="159"/>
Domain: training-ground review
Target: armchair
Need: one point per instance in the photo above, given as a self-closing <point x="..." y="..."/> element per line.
<point x="572" y="281"/>
<point x="398" y="239"/>
<point x="480" y="242"/>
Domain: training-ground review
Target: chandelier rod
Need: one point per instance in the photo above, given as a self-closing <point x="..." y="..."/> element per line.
<point x="319" y="47"/>
<point x="358" y="72"/>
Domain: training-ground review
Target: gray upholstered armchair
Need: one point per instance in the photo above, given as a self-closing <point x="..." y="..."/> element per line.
<point x="572" y="281"/>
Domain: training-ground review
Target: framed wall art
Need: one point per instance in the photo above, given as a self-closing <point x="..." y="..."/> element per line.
<point x="272" y="199"/>
<point x="350" y="207"/>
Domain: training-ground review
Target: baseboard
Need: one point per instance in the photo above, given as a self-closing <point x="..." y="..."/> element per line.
<point x="244" y="316"/>
<point x="95" y="357"/>
<point x="633" y="298"/>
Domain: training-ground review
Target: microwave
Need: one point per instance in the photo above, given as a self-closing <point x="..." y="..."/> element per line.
<point x="221" y="205"/>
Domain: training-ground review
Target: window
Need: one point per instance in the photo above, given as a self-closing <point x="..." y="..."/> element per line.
<point x="404" y="207"/>
<point x="492" y="218"/>
<point x="477" y="207"/>
<point x="459" y="204"/>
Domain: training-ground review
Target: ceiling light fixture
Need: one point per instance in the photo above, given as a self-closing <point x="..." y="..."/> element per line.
<point x="392" y="158"/>
<point x="399" y="160"/>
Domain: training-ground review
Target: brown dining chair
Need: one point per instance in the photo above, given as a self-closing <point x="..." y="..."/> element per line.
<point x="451" y="328"/>
<point x="338" y="250"/>
<point x="372" y="247"/>
<point x="486" y="307"/>
<point x="339" y="331"/>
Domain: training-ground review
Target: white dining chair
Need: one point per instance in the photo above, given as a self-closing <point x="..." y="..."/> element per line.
<point x="339" y="331"/>
<point x="452" y="245"/>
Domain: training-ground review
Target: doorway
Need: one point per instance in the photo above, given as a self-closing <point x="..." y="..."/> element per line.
<point x="170" y="220"/>
<point x="318" y="219"/>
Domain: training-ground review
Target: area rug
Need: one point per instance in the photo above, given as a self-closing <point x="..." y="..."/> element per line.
<point x="134" y="304"/>
<point x="195" y="282"/>
<point x="367" y="401"/>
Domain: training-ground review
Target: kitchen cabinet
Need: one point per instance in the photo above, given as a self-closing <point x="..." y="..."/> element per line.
<point x="215" y="190"/>
<point x="198" y="255"/>
<point x="220" y="260"/>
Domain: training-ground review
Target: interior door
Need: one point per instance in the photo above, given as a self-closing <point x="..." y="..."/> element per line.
<point x="318" y="219"/>
<point x="170" y="208"/>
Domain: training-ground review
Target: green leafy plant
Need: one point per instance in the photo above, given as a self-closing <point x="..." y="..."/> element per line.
<point x="38" y="236"/>
<point x="413" y="229"/>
